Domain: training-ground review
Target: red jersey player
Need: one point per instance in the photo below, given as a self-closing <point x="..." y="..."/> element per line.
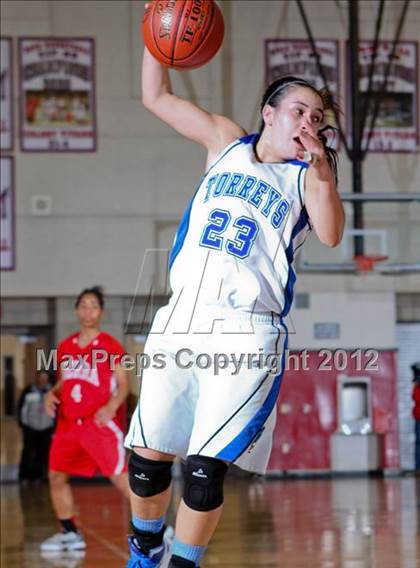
<point x="416" y="414"/>
<point x="92" y="386"/>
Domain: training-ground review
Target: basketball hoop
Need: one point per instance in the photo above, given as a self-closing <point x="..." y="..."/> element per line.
<point x="366" y="262"/>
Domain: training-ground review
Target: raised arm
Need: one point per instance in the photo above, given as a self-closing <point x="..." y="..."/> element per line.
<point x="322" y="199"/>
<point x="323" y="204"/>
<point x="212" y="131"/>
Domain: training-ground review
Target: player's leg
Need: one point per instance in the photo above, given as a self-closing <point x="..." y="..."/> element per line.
<point x="69" y="538"/>
<point x="61" y="494"/>
<point x="236" y="410"/>
<point x="160" y="428"/>
<point x="199" y="511"/>
<point x="66" y="457"/>
<point x="196" y="526"/>
<point x="151" y="502"/>
<point x="105" y="447"/>
<point x="120" y="481"/>
<point x="150" y="493"/>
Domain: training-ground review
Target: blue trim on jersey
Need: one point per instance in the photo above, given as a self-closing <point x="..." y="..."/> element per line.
<point x="249" y="138"/>
<point x="291" y="277"/>
<point x="141" y="426"/>
<point x="234" y="414"/>
<point x="300" y="188"/>
<point x="301" y="192"/>
<point x="252" y="138"/>
<point x="255" y="426"/>
<point x="181" y="232"/>
<point x="185" y="222"/>
<point x="298" y="163"/>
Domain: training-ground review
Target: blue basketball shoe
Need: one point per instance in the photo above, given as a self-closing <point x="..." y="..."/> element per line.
<point x="157" y="558"/>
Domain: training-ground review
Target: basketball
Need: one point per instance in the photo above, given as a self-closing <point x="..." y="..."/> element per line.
<point x="183" y="34"/>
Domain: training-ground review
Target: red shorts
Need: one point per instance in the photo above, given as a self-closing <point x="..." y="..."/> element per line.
<point x="82" y="448"/>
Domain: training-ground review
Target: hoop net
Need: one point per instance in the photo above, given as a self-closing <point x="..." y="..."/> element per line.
<point x="366" y="262"/>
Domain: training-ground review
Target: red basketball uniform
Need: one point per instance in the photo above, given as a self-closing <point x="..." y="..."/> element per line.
<point x="80" y="446"/>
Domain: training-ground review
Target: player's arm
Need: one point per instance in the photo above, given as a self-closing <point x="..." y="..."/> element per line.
<point x="121" y="392"/>
<point x="52" y="399"/>
<point x="322" y="199"/>
<point x="212" y="131"/>
<point x="108" y="411"/>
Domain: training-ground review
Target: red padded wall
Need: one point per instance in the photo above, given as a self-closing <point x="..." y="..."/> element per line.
<point x="302" y="439"/>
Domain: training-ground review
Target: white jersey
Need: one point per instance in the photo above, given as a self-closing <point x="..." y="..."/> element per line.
<point x="231" y="264"/>
<point x="236" y="243"/>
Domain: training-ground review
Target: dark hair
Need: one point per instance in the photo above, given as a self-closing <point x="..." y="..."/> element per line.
<point x="40" y="372"/>
<point x="416" y="372"/>
<point x="95" y="291"/>
<point x="278" y="89"/>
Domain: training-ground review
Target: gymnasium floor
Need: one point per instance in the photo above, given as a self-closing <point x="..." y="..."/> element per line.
<point x="296" y="523"/>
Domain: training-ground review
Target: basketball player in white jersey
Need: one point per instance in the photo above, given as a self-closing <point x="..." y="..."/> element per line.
<point x="232" y="277"/>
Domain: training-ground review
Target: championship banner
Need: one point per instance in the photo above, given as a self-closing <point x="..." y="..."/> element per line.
<point x="6" y="96"/>
<point x="296" y="57"/>
<point x="397" y="122"/>
<point x="57" y="94"/>
<point x="7" y="214"/>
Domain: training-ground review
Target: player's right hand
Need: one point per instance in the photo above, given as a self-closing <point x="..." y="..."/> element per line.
<point x="51" y="401"/>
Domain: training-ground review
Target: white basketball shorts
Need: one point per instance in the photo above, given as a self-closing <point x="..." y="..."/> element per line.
<point x="212" y="390"/>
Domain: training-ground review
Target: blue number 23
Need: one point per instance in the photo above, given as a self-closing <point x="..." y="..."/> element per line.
<point x="219" y="220"/>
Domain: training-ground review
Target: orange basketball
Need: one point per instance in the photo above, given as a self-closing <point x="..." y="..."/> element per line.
<point x="183" y="34"/>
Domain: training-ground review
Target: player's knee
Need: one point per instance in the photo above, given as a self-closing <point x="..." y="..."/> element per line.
<point x="57" y="479"/>
<point x="148" y="477"/>
<point x="204" y="477"/>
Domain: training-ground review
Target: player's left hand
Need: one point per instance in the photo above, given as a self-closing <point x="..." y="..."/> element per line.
<point x="105" y="414"/>
<point x="314" y="152"/>
<point x="315" y="155"/>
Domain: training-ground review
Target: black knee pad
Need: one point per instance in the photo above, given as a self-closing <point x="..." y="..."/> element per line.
<point x="148" y="477"/>
<point x="204" y="476"/>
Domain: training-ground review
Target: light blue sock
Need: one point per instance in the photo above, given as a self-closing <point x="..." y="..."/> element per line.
<point x="188" y="551"/>
<point x="148" y="525"/>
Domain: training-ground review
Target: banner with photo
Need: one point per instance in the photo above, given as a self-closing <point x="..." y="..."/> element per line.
<point x="7" y="214"/>
<point x="397" y="122"/>
<point x="296" y="57"/>
<point x="57" y="94"/>
<point x="6" y="95"/>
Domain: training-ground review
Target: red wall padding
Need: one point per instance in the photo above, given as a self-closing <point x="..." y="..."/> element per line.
<point x="306" y="436"/>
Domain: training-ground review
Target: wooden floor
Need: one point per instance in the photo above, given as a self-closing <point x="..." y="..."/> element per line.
<point x="299" y="523"/>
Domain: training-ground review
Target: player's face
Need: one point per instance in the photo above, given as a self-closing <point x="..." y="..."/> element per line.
<point x="299" y="110"/>
<point x="89" y="311"/>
